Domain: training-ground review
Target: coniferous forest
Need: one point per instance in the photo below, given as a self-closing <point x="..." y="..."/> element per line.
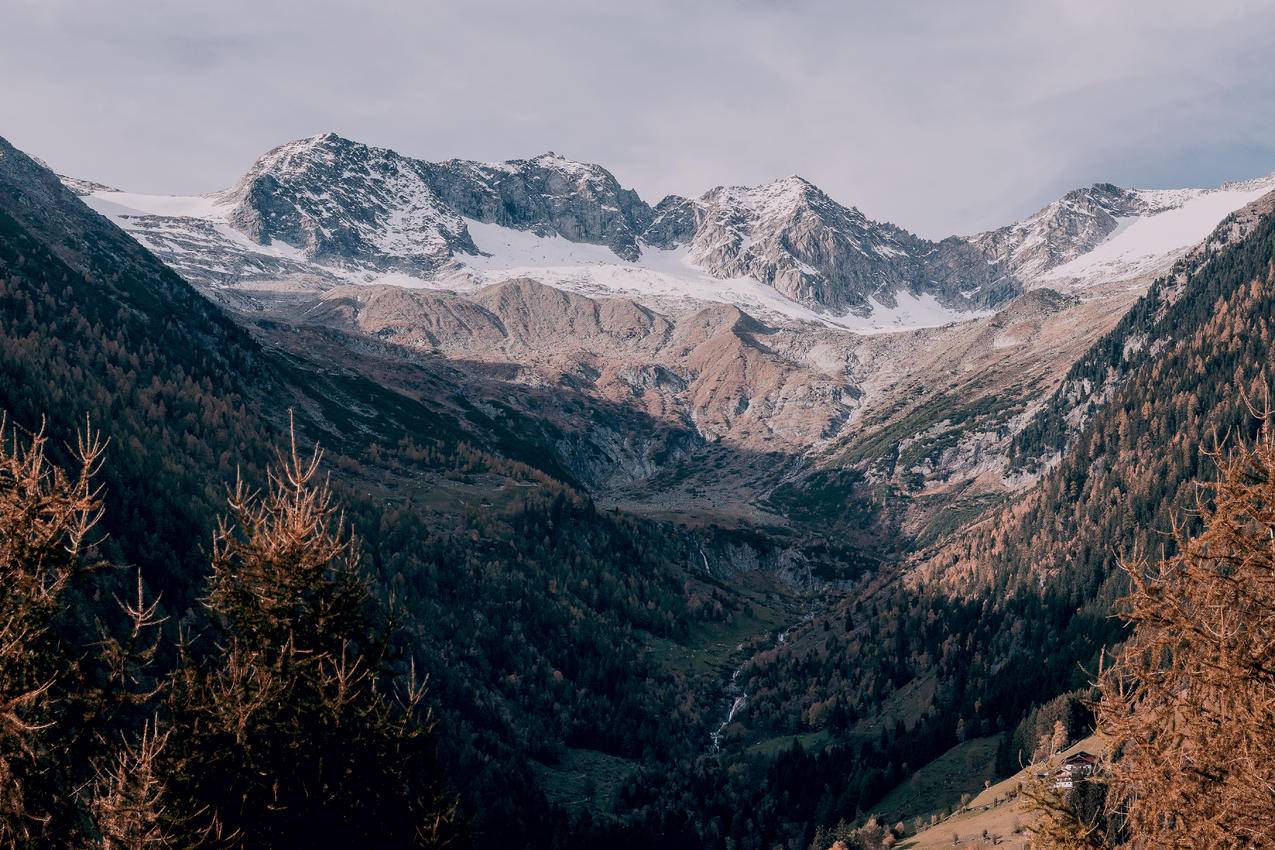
<point x="278" y="576"/>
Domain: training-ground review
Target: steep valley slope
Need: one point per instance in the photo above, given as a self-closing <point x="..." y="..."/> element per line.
<point x="1014" y="607"/>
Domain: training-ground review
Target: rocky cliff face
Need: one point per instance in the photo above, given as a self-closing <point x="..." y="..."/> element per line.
<point x="335" y="209"/>
<point x="348" y="204"/>
<point x="344" y="202"/>
<point x="792" y="236"/>
<point x="1061" y="231"/>
<point x="548" y="194"/>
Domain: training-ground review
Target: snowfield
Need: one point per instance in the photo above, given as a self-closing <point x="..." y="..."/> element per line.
<point x="1150" y="244"/>
<point x="667" y="279"/>
<point x="111" y="202"/>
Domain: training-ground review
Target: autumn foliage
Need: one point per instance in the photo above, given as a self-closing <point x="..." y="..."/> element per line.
<point x="285" y="720"/>
<point x="46" y="517"/>
<point x="1189" y="704"/>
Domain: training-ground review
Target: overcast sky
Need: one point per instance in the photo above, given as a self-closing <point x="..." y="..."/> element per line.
<point x="941" y="116"/>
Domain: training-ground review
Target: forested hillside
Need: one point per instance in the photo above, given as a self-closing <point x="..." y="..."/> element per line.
<point x="1141" y="333"/>
<point x="1196" y="364"/>
<point x="1015" y="609"/>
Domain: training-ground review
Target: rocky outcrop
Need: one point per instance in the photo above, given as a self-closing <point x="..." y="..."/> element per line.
<point x="792" y="236"/>
<point x="548" y="194"/>
<point x="1066" y="229"/>
<point x="673" y="223"/>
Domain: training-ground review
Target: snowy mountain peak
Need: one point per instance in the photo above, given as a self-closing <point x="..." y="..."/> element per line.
<point x="792" y="186"/>
<point x="1133" y="231"/>
<point x="328" y="139"/>
<point x="775" y="200"/>
<point x="791" y="235"/>
<point x="299" y="153"/>
<point x="334" y="209"/>
<point x="347" y="204"/>
<point x="1165" y="225"/>
<point x="550" y="159"/>
<point x="1060" y="231"/>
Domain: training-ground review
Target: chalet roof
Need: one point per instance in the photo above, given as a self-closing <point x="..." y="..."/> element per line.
<point x="1081" y="757"/>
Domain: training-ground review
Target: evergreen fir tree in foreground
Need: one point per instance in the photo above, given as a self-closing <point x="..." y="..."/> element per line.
<point x="1189" y="705"/>
<point x="286" y="726"/>
<point x="46" y="517"/>
<point x="292" y="731"/>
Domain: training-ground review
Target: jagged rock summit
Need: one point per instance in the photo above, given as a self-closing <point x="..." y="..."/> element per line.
<point x="331" y="211"/>
<point x="790" y="235"/>
<point x="340" y="211"/>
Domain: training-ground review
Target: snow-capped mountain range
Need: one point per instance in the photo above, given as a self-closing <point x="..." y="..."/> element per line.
<point x="336" y="211"/>
<point x="1105" y="233"/>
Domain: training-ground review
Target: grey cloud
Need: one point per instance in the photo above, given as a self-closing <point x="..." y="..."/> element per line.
<point x="944" y="117"/>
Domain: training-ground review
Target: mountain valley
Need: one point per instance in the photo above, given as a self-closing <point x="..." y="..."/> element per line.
<point x="713" y="522"/>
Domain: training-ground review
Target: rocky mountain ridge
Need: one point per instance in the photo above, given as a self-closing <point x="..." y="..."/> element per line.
<point x="1049" y="246"/>
<point x="333" y="209"/>
<point x="790" y="235"/>
<point x="1062" y="230"/>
